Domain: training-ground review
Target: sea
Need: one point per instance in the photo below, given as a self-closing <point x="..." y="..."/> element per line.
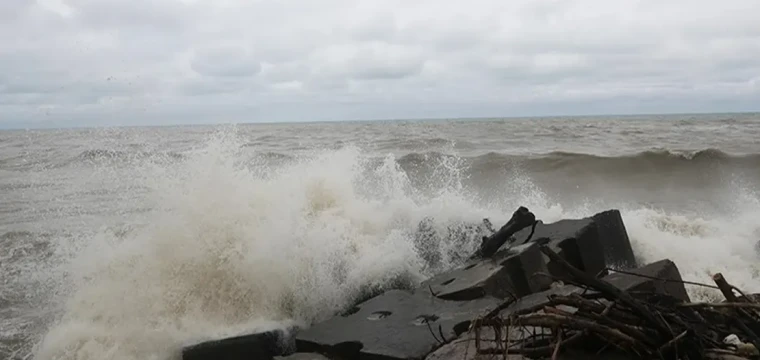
<point x="129" y="243"/>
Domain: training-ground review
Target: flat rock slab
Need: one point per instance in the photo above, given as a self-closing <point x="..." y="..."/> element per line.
<point x="507" y="273"/>
<point x="591" y="244"/>
<point x="393" y="325"/>
<point x="302" y="356"/>
<point x="263" y="345"/>
<point x="671" y="283"/>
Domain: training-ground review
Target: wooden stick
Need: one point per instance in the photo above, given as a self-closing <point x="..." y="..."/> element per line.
<point x="664" y="280"/>
<point x="740" y="305"/>
<point x="613" y="292"/>
<point x="556" y="348"/>
<point x="728" y="292"/>
<point x="672" y="343"/>
<point x="725" y="288"/>
<point x="536" y="351"/>
<point x="559" y="321"/>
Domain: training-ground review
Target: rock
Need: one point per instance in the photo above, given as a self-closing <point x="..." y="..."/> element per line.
<point x="395" y="325"/>
<point x="509" y="272"/>
<point x="663" y="269"/>
<point x="302" y="356"/>
<point x="591" y="244"/>
<point x="614" y="238"/>
<point x="263" y="345"/>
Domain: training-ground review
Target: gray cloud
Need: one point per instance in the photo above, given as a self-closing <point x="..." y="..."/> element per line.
<point x="88" y="62"/>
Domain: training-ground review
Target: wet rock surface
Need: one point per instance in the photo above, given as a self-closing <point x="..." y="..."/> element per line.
<point x="506" y="274"/>
<point x="302" y="356"/>
<point x="590" y="244"/>
<point x="660" y="277"/>
<point x="262" y="345"/>
<point x="395" y="325"/>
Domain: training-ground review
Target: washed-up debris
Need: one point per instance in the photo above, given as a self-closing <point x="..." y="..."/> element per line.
<point x="645" y="325"/>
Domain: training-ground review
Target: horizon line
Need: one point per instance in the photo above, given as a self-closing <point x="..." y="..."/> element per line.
<point x="292" y="122"/>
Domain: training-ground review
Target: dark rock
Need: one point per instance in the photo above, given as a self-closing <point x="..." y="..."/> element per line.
<point x="264" y="345"/>
<point x="663" y="269"/>
<point x="521" y="218"/>
<point x="507" y="273"/>
<point x="614" y="238"/>
<point x="302" y="356"/>
<point x="395" y="325"/>
<point x="591" y="244"/>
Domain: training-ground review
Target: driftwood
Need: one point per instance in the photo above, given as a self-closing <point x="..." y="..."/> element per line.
<point x="521" y="218"/>
<point x="644" y="325"/>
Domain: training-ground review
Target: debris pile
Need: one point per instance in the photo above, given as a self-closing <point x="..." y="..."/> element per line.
<point x="601" y="317"/>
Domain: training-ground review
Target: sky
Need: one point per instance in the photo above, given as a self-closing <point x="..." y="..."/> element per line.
<point x="156" y="62"/>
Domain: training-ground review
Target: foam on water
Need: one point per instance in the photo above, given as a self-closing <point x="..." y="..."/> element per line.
<point x="234" y="246"/>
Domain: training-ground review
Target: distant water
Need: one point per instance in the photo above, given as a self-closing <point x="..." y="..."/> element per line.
<point x="127" y="243"/>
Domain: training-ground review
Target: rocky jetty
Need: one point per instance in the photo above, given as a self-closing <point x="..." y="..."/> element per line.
<point x="572" y="289"/>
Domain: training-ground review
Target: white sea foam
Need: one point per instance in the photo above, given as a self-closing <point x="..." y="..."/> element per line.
<point x="234" y="246"/>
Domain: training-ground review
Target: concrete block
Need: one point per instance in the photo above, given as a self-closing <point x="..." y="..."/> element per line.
<point x="614" y="238"/>
<point x="263" y="345"/>
<point x="302" y="356"/>
<point x="509" y="272"/>
<point x="590" y="244"/>
<point x="394" y="325"/>
<point x="663" y="269"/>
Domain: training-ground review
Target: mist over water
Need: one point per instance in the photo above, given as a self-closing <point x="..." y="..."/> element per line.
<point x="129" y="243"/>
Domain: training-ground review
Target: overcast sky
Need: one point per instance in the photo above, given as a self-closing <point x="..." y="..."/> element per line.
<point x="135" y="62"/>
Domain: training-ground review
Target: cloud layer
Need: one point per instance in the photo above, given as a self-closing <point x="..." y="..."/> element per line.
<point x="105" y="62"/>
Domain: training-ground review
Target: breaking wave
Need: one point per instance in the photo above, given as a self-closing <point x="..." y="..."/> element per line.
<point x="236" y="243"/>
<point x="649" y="161"/>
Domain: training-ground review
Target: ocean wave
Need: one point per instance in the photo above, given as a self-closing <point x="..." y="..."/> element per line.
<point x="233" y="248"/>
<point x="110" y="155"/>
<point x="594" y="164"/>
<point x="422" y="143"/>
<point x="658" y="155"/>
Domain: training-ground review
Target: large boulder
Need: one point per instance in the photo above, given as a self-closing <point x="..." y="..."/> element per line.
<point x="660" y="277"/>
<point x="590" y="244"/>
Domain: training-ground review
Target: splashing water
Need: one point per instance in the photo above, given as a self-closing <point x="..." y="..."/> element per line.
<point x="235" y="245"/>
